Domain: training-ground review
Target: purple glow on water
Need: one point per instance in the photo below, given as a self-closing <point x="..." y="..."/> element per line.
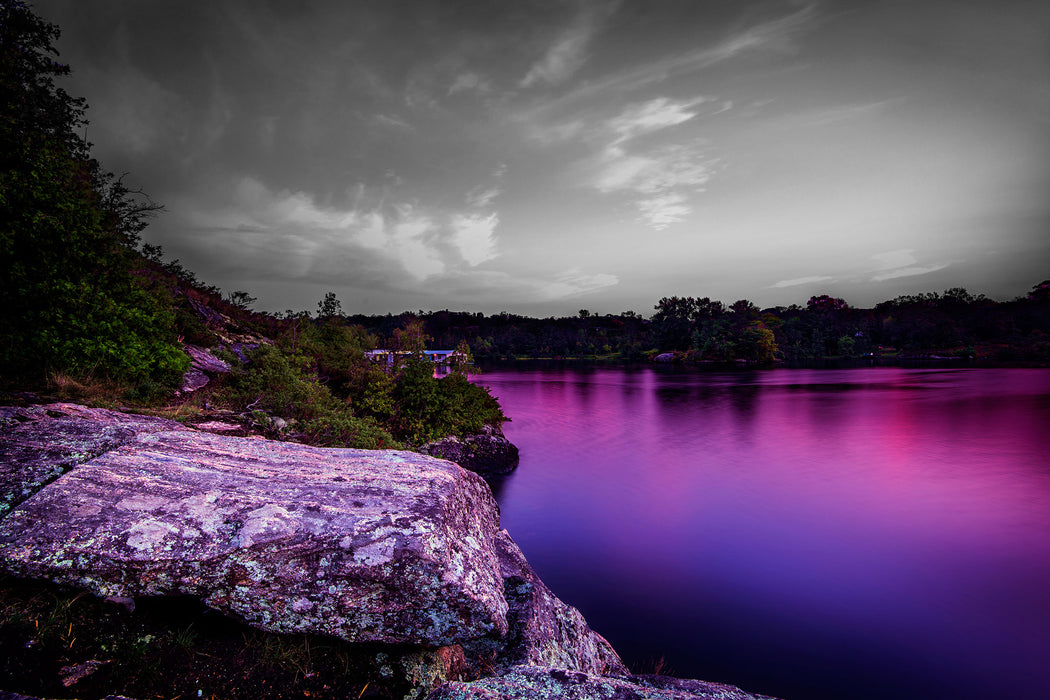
<point x="859" y="533"/>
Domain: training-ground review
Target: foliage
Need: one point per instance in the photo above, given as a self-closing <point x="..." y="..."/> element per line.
<point x="71" y="301"/>
<point x="329" y="306"/>
<point x="427" y="408"/>
<point x="279" y="383"/>
<point x="317" y="376"/>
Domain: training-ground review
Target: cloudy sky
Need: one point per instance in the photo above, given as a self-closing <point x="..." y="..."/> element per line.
<point x="543" y="156"/>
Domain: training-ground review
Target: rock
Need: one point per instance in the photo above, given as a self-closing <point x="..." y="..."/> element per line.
<point x="204" y="361"/>
<point x="376" y="546"/>
<point x="71" y="675"/>
<point x="487" y="453"/>
<point x="542" y="629"/>
<point x="539" y="683"/>
<point x="428" y="669"/>
<point x="241" y="350"/>
<point x="666" y="357"/>
<point x="366" y="546"/>
<point x="192" y="380"/>
<point x="204" y="366"/>
<point x="217" y="426"/>
<point x="40" y="443"/>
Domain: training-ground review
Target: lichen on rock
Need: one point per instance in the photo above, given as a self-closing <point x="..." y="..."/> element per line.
<point x="361" y="545"/>
<point x="541" y="683"/>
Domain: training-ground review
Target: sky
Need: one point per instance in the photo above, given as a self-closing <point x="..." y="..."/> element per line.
<point x="545" y="156"/>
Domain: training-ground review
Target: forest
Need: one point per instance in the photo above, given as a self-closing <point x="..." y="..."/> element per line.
<point x="952" y="324"/>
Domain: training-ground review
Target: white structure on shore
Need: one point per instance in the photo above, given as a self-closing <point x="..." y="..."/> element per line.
<point x="438" y="357"/>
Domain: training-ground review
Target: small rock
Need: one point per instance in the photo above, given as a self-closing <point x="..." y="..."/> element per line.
<point x="487" y="453"/>
<point x="73" y="674"/>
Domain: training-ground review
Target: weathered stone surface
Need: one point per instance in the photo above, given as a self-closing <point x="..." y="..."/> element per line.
<point x="381" y="546"/>
<point x="488" y="452"/>
<point x="367" y="546"/>
<point x="40" y="443"/>
<point x="204" y="366"/>
<point x="539" y="683"/>
<point x="363" y="545"/>
<point x="20" y="415"/>
<point x="543" y="630"/>
<point x="205" y="361"/>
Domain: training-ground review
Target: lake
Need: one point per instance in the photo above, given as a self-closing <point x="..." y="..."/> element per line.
<point x="862" y="533"/>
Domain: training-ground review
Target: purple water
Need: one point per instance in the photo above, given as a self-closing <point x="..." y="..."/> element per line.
<point x="862" y="533"/>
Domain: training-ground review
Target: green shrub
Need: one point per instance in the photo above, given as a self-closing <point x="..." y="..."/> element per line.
<point x="280" y="384"/>
<point x="428" y="408"/>
<point x="343" y="429"/>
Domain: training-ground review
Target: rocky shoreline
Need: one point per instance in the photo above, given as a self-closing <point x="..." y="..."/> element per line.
<point x="388" y="548"/>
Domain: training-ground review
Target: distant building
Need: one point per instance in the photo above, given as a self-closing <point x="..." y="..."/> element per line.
<point x="390" y="357"/>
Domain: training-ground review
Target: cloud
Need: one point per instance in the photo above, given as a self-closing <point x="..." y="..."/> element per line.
<point x="901" y="263"/>
<point x="392" y="121"/>
<point x="568" y="52"/>
<point x="894" y="258"/>
<point x="663" y="210"/>
<point x="474" y="284"/>
<point x="562" y="59"/>
<point x="656" y="114"/>
<point x="291" y="234"/>
<point x="482" y="195"/>
<point x="573" y="283"/>
<point x="825" y="116"/>
<point x="908" y="272"/>
<point x="410" y="240"/>
<point x="776" y="34"/>
<point x="798" y="281"/>
<point x="468" y="82"/>
<point x="659" y="179"/>
<point x="472" y="234"/>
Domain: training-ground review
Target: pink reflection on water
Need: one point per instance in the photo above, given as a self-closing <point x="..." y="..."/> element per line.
<point x="906" y="512"/>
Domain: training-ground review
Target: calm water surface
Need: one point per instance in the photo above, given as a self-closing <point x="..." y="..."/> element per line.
<point x="863" y="533"/>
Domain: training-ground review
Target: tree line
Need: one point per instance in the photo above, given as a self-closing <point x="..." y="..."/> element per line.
<point x="954" y="323"/>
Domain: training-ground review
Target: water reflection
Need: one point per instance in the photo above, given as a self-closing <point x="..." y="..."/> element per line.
<point x="859" y="533"/>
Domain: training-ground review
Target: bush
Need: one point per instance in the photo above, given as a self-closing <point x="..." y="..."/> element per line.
<point x="346" y="430"/>
<point x="280" y="384"/>
<point x="428" y="408"/>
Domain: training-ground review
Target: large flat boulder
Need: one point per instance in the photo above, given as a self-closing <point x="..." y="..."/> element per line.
<point x="367" y="546"/>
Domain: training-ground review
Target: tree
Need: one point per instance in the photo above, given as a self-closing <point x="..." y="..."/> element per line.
<point x="826" y="303"/>
<point x="329" y="306"/>
<point x="412" y="338"/>
<point x="70" y="296"/>
<point x="241" y="299"/>
<point x="674" y="322"/>
<point x="31" y="105"/>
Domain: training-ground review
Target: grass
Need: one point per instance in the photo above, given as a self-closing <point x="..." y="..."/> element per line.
<point x="172" y="648"/>
<point x="88" y="389"/>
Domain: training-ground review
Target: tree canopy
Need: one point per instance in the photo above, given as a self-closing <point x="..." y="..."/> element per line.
<point x="70" y="298"/>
